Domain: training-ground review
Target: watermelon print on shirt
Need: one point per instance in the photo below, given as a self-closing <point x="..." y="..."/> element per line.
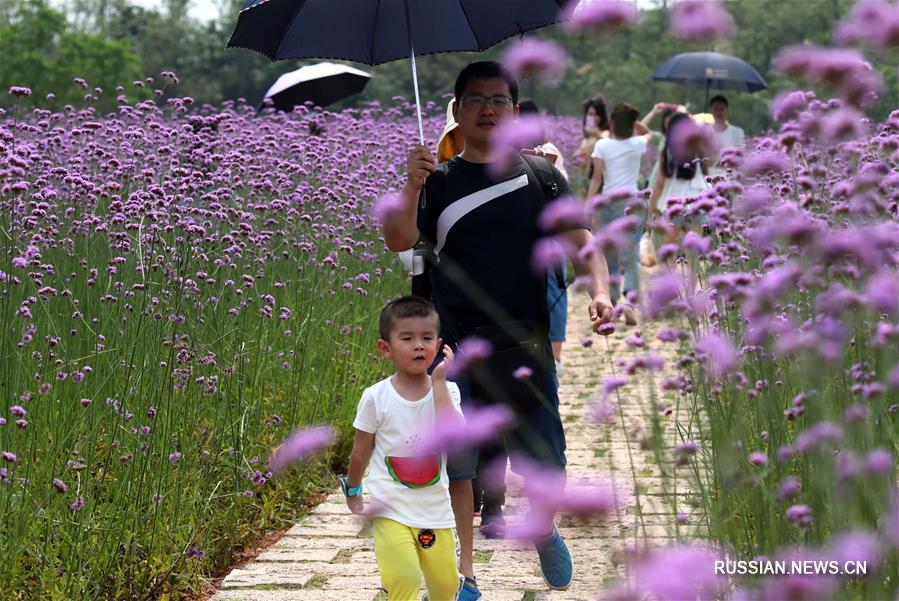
<point x="408" y="487"/>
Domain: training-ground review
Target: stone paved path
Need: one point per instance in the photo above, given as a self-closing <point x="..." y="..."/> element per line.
<point x="329" y="556"/>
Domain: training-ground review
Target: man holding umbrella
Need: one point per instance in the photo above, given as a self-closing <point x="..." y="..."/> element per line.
<point x="482" y="220"/>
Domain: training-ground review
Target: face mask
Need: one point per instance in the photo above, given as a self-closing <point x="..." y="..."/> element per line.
<point x="592" y="122"/>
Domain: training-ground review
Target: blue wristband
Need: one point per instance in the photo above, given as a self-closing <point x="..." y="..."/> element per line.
<point x="355" y="491"/>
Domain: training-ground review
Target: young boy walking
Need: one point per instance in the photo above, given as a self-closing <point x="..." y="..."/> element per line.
<point x="414" y="530"/>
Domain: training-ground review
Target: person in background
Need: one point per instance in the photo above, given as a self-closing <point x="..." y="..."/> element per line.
<point x="451" y="141"/>
<point x="727" y="135"/>
<point x="616" y="166"/>
<point x="681" y="176"/>
<point x="650" y="166"/>
<point x="557" y="292"/>
<point x="596" y="126"/>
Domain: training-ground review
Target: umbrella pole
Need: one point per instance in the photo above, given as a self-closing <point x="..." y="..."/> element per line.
<point x="421" y="131"/>
<point x="423" y="200"/>
<point x="708" y="84"/>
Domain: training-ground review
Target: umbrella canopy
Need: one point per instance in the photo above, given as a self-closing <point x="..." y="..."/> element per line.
<point x="323" y="84"/>
<point x="711" y="70"/>
<point x="378" y="31"/>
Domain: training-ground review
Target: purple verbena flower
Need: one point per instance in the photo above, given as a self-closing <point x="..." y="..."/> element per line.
<point x="719" y="355"/>
<point x="563" y="213"/>
<point x="299" y="444"/>
<point x="700" y="20"/>
<point x="602" y="15"/>
<point x="856" y="545"/>
<point x="523" y="373"/>
<point x="875" y="22"/>
<point x="788" y="105"/>
<point x="758" y="458"/>
<point x="788" y="488"/>
<point x="480" y="425"/>
<point x="801" y="515"/>
<point x="821" y="434"/>
<point x="472" y="350"/>
<point x="680" y="572"/>
<point x="879" y="462"/>
<point x="534" y="58"/>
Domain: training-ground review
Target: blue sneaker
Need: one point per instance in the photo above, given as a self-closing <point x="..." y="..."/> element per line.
<point x="469" y="591"/>
<point x="555" y="561"/>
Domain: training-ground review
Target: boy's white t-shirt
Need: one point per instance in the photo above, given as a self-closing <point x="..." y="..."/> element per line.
<point x="621" y="162"/>
<point x="398" y="425"/>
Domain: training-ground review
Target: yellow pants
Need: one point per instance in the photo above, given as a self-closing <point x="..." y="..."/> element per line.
<point x="404" y="553"/>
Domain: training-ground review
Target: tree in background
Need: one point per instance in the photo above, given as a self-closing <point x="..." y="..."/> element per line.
<point x="101" y="41"/>
<point x="40" y="51"/>
<point x="620" y="66"/>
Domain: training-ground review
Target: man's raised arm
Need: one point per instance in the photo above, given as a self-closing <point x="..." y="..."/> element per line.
<point x="400" y="227"/>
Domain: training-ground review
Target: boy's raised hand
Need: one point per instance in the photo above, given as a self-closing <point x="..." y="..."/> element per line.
<point x="440" y="371"/>
<point x="357" y="507"/>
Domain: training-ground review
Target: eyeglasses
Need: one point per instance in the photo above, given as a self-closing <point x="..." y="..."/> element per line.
<point x="477" y="101"/>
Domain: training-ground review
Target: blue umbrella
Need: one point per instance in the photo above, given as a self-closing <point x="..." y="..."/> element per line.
<point x="378" y="31"/>
<point x="711" y="70"/>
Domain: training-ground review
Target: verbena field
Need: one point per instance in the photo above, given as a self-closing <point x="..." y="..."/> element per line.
<point x="179" y="290"/>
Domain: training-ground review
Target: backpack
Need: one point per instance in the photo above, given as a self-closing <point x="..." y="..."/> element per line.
<point x="542" y="182"/>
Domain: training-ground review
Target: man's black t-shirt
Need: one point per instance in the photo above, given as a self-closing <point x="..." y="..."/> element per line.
<point x="483" y="230"/>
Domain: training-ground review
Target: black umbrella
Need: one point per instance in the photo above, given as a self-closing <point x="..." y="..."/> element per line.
<point x="378" y="31"/>
<point x="711" y="70"/>
<point x="322" y="84"/>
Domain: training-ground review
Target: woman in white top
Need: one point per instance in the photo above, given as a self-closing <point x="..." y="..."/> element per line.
<point x="616" y="165"/>
<point x="678" y="176"/>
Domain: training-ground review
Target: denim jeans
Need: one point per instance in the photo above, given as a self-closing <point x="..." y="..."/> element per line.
<point x="557" y="299"/>
<point x="626" y="263"/>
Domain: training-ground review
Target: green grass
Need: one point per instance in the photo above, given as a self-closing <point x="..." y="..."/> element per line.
<point x="481" y="556"/>
<point x="316" y="582"/>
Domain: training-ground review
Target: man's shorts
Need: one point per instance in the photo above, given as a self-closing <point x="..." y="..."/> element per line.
<point x="557" y="299"/>
<point x="536" y="436"/>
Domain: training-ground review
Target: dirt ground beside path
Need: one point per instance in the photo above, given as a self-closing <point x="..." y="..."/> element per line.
<point x="329" y="555"/>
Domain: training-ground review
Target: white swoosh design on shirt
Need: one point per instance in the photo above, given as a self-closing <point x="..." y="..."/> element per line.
<point x="462" y="207"/>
